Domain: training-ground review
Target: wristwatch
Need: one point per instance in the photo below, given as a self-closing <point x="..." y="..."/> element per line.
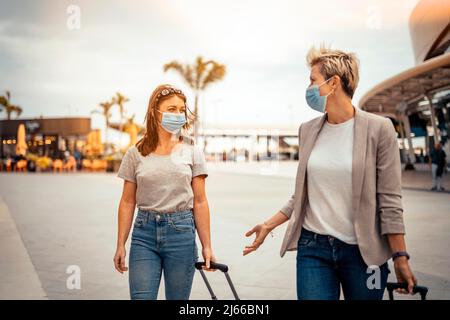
<point x="400" y="254"/>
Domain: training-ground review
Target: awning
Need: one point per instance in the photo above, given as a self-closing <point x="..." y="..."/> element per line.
<point x="411" y="85"/>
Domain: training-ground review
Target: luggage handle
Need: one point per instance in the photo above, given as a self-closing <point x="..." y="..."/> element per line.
<point x="218" y="266"/>
<point x="212" y="265"/>
<point x="391" y="286"/>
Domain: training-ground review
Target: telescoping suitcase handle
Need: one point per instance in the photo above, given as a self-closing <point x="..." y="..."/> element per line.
<point x="217" y="266"/>
<point x="391" y="286"/>
<point x="212" y="265"/>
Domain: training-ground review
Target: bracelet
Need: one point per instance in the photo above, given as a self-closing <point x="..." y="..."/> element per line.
<point x="400" y="254"/>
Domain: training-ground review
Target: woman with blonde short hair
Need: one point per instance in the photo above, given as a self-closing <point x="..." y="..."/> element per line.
<point x="345" y="216"/>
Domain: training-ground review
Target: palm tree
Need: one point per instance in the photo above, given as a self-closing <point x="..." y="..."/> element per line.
<point x="130" y="127"/>
<point x="5" y="103"/>
<point x="130" y="122"/>
<point x="119" y="99"/>
<point x="106" y="112"/>
<point x="198" y="76"/>
<point x="133" y="129"/>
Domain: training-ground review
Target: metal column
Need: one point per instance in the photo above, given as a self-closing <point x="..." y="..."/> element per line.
<point x="433" y="118"/>
<point x="402" y="137"/>
<point x="411" y="155"/>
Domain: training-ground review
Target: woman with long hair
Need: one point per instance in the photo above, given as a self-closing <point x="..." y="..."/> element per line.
<point x="164" y="175"/>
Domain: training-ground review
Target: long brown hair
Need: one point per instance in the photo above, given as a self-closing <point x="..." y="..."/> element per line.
<point x="148" y="143"/>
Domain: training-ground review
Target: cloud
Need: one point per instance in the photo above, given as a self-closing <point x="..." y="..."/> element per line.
<point x="122" y="46"/>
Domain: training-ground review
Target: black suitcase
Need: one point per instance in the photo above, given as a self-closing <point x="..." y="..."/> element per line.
<point x="217" y="266"/>
<point x="391" y="286"/>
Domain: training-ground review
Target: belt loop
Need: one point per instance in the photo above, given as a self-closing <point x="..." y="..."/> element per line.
<point x="315" y="236"/>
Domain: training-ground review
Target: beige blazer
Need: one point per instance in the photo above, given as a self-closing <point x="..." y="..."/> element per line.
<point x="376" y="185"/>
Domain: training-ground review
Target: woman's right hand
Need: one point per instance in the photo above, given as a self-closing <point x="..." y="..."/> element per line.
<point x="261" y="230"/>
<point x="119" y="259"/>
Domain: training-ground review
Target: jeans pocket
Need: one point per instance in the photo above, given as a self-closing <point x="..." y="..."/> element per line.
<point x="139" y="222"/>
<point x="182" y="225"/>
<point x="303" y="242"/>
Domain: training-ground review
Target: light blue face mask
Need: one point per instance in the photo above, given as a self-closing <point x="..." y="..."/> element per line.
<point x="172" y="122"/>
<point x="314" y="99"/>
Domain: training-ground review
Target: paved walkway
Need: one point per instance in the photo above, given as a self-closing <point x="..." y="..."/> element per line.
<point x="76" y="225"/>
<point x="18" y="279"/>
<point x="420" y="179"/>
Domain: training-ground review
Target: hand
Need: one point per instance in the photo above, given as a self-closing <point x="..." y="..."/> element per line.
<point x="119" y="259"/>
<point x="261" y="230"/>
<point x="404" y="274"/>
<point x="208" y="256"/>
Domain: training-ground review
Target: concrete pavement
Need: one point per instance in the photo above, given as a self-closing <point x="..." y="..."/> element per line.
<point x="18" y="279"/>
<point x="70" y="219"/>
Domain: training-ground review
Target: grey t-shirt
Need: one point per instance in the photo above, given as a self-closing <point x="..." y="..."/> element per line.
<point x="164" y="181"/>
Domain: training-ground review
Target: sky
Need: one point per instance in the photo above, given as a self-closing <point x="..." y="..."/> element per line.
<point x="57" y="62"/>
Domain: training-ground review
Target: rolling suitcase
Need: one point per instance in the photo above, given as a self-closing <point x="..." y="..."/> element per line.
<point x="391" y="286"/>
<point x="218" y="266"/>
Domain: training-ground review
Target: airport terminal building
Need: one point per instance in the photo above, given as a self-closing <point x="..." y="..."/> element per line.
<point x="418" y="99"/>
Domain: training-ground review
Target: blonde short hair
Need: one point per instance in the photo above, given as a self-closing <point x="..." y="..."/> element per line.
<point x="336" y="62"/>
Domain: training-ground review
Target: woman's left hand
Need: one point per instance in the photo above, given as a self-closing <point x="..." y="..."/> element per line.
<point x="404" y="274"/>
<point x="208" y="257"/>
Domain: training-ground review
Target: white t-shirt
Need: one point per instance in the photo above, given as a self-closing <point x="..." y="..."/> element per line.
<point x="329" y="173"/>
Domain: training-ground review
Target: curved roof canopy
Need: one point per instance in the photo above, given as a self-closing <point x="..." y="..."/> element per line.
<point x="411" y="85"/>
<point x="429" y="27"/>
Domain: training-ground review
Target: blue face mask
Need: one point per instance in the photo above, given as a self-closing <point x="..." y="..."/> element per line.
<point x="314" y="99"/>
<point x="172" y="122"/>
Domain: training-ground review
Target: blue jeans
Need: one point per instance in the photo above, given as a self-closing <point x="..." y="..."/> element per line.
<point x="162" y="242"/>
<point x="325" y="263"/>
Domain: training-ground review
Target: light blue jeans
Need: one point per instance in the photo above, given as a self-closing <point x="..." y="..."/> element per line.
<point x="162" y="242"/>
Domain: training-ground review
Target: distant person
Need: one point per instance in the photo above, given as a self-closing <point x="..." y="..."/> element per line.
<point x="78" y="158"/>
<point x="346" y="212"/>
<point x="438" y="163"/>
<point x="164" y="175"/>
<point x="421" y="156"/>
<point x="31" y="166"/>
